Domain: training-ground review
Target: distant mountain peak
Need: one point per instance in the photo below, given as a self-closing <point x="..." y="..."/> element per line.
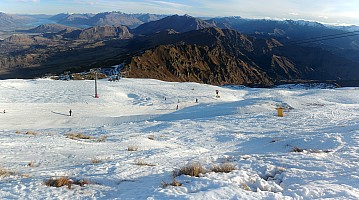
<point x="179" y="23"/>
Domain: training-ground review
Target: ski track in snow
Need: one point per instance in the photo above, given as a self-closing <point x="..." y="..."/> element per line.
<point x="240" y="127"/>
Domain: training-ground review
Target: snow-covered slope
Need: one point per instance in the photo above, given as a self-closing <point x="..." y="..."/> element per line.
<point x="240" y="128"/>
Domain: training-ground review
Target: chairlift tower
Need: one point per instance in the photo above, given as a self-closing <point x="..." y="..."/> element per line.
<point x="95" y="71"/>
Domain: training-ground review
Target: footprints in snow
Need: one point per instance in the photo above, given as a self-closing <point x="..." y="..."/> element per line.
<point x="140" y="101"/>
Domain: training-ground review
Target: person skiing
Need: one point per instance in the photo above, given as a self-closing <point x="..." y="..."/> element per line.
<point x="70" y="112"/>
<point x="196" y="100"/>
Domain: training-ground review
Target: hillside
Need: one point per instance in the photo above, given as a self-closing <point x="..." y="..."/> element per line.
<point x="49" y="28"/>
<point x="100" y="33"/>
<point x="11" y="22"/>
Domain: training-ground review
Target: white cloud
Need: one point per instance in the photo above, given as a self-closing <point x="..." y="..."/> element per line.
<point x="171" y="4"/>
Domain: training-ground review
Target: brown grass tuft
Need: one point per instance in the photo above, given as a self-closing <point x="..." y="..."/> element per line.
<point x="246" y="187"/>
<point x="297" y="149"/>
<point x="81" y="136"/>
<point x="76" y="136"/>
<point x="58" y="182"/>
<point x="173" y="183"/>
<point x="5" y="173"/>
<point x="96" y="161"/>
<point x="65" y="181"/>
<point x="27" y="133"/>
<point x="102" y="138"/>
<point x="141" y="162"/>
<point x="194" y="169"/>
<point x="31" y="164"/>
<point x="223" y="168"/>
<point x="132" y="148"/>
<point x="31" y="133"/>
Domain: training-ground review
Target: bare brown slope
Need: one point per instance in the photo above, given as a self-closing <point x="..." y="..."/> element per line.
<point x="196" y="64"/>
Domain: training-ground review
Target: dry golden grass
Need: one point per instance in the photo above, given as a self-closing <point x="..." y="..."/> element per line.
<point x="59" y="182"/>
<point x="223" y="168"/>
<point x="5" y="173"/>
<point x="141" y="162"/>
<point x="246" y="187"/>
<point x="194" y="169"/>
<point x="96" y="161"/>
<point x="31" y="133"/>
<point x="31" y="164"/>
<point x="26" y="175"/>
<point x="173" y="183"/>
<point x="65" y="181"/>
<point x="82" y="136"/>
<point x="76" y="136"/>
<point x="102" y="138"/>
<point x="132" y="148"/>
<point x="27" y="133"/>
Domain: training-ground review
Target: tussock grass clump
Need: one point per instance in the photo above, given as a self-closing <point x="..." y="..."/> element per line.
<point x="31" y="133"/>
<point x="5" y="173"/>
<point x="141" y="162"/>
<point x="194" y="169"/>
<point x="223" y="168"/>
<point x="76" y="136"/>
<point x="102" y="138"/>
<point x="32" y="164"/>
<point x="96" y="161"/>
<point x="65" y="181"/>
<point x="82" y="136"/>
<point x="27" y="133"/>
<point x="173" y="183"/>
<point x="319" y="151"/>
<point x="297" y="149"/>
<point x="245" y="186"/>
<point x="132" y="148"/>
<point x="58" y="182"/>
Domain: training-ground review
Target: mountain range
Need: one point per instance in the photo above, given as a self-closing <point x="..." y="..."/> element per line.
<point x="219" y="51"/>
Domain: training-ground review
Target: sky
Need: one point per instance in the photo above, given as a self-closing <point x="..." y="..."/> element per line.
<point x="326" y="11"/>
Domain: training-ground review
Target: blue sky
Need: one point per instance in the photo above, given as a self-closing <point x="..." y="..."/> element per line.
<point x="328" y="11"/>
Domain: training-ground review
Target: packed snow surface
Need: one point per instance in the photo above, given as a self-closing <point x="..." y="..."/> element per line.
<point x="310" y="153"/>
